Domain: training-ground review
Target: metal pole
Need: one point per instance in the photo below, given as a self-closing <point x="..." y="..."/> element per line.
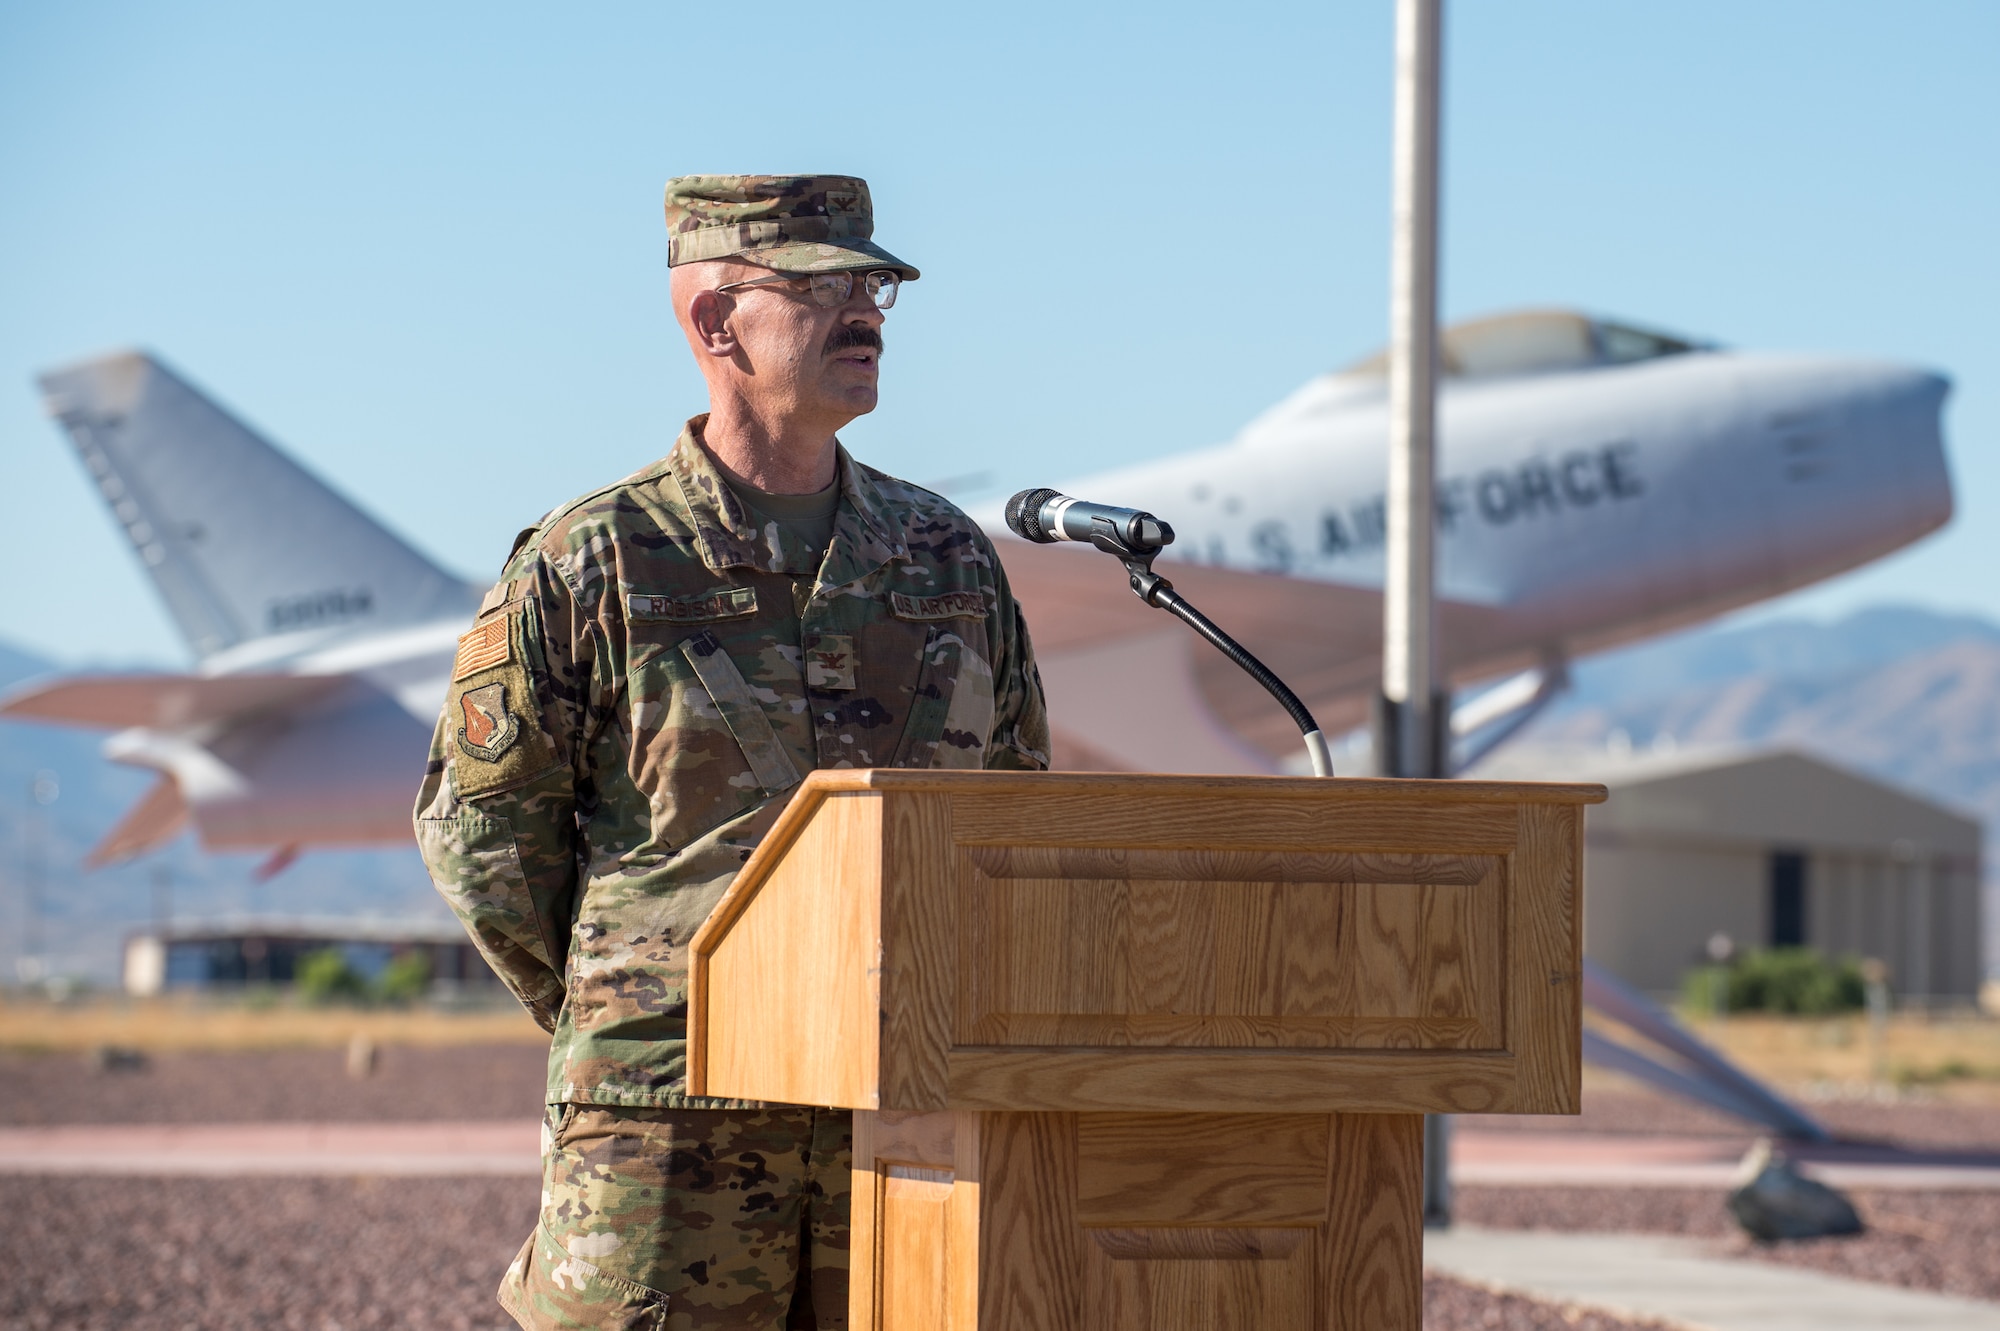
<point x="163" y="902"/>
<point x="1408" y="652"/>
<point x="1411" y="723"/>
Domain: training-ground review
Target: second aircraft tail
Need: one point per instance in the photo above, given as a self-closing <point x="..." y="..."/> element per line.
<point x="242" y="542"/>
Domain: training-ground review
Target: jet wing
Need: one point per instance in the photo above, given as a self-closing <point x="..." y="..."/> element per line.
<point x="152" y="822"/>
<point x="161" y="702"/>
<point x="1126" y="691"/>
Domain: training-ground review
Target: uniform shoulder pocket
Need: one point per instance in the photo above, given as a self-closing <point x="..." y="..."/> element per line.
<point x="741" y="712"/>
<point x="951" y="713"/>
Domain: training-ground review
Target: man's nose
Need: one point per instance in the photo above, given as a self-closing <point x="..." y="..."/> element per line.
<point x="860" y="307"/>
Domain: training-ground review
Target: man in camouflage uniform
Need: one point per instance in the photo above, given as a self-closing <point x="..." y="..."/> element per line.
<point x="659" y="664"/>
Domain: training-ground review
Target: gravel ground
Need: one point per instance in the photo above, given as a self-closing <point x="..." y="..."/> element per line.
<point x="347" y="1254"/>
<point x="1911" y="1122"/>
<point x="221" y="1254"/>
<point x="1943" y="1241"/>
<point x="466" y="1082"/>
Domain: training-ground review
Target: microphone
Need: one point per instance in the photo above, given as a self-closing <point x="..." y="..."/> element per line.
<point x="1137" y="537"/>
<point x="1044" y="516"/>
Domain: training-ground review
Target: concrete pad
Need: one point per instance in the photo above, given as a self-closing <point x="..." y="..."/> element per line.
<point x="1678" y="1281"/>
<point x="297" y="1149"/>
<point x="1624" y="1160"/>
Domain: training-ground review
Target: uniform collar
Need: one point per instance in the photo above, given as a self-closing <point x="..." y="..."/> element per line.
<point x="864" y="537"/>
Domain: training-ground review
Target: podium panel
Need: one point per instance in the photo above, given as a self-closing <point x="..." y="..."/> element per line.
<point x="1071" y="942"/>
<point x="1138" y="1222"/>
<point x="1085" y="947"/>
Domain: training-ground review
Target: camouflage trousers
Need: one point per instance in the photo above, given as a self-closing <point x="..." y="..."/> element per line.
<point x="688" y="1220"/>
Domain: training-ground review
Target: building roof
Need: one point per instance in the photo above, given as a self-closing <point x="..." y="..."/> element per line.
<point x="1746" y="795"/>
<point x="316" y="928"/>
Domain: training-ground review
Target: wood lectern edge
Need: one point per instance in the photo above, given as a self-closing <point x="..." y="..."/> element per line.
<point x="819" y="784"/>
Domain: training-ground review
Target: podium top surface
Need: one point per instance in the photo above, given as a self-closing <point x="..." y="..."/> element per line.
<point x="833" y="780"/>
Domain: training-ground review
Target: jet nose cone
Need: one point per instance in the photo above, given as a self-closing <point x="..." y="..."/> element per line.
<point x="1889" y="422"/>
<point x="1914" y="384"/>
<point x="1849" y="394"/>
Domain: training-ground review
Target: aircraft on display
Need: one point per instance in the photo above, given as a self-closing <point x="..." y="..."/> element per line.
<point x="1597" y="483"/>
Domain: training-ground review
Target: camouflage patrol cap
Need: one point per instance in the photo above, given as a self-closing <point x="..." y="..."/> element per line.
<point x="795" y="224"/>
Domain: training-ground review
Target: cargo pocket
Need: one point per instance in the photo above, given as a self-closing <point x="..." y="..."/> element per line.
<point x="951" y="713"/>
<point x="553" y="1283"/>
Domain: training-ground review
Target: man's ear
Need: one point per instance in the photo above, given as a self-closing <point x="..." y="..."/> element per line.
<point x="708" y="316"/>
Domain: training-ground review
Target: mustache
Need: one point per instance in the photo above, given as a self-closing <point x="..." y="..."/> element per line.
<point x="853" y="335"/>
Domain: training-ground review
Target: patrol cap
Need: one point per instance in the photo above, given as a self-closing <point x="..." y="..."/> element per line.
<point x="795" y="224"/>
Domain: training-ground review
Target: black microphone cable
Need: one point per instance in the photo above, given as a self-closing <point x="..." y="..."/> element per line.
<point x="1137" y="537"/>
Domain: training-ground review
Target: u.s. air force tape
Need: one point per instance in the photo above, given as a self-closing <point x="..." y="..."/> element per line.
<point x="947" y="605"/>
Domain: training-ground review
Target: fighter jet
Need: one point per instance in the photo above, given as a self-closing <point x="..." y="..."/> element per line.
<point x="1599" y="483"/>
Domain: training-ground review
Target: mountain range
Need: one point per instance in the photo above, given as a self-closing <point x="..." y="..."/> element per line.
<point x="1905" y="694"/>
<point x="1900" y="693"/>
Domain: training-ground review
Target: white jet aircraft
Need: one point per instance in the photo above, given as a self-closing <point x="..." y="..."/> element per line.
<point x="1598" y="483"/>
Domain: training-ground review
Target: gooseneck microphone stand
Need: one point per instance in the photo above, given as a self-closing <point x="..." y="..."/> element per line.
<point x="1137" y="542"/>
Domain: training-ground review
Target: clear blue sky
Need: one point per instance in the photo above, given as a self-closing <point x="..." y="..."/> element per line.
<point x="420" y="246"/>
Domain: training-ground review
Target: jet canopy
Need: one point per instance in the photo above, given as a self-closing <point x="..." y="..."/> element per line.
<point x="1538" y="342"/>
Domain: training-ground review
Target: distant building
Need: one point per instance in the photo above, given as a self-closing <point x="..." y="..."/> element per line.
<point x="268" y="951"/>
<point x="1772" y="848"/>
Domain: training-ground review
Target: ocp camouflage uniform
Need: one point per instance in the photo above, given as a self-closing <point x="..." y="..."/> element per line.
<point x="643" y="689"/>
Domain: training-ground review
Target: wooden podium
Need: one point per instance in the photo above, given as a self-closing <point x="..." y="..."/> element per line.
<point x="1146" y="1052"/>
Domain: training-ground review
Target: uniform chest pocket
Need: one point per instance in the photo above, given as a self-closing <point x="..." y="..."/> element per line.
<point x="703" y="749"/>
<point x="951" y="713"/>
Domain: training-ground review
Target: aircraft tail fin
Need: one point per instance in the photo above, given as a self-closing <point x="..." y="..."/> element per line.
<point x="242" y="542"/>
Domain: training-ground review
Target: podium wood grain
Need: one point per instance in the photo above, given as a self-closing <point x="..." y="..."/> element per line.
<point x="1145" y="1052"/>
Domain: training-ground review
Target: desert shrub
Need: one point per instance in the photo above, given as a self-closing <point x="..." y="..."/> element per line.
<point x="325" y="977"/>
<point x="405" y="979"/>
<point x="1705" y="988"/>
<point x="1794" y="981"/>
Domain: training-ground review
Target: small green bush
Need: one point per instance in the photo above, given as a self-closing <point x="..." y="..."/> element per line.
<point x="405" y="979"/>
<point x="1704" y="989"/>
<point x="1794" y="981"/>
<point x="325" y="977"/>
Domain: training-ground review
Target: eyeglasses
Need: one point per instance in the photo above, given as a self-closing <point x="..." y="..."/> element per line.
<point x="832" y="290"/>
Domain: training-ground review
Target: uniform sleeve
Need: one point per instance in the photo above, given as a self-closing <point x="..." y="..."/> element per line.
<point x="496" y="819"/>
<point x="1020" y="714"/>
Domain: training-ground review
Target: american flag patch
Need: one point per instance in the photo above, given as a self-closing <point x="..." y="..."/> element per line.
<point x="487" y="645"/>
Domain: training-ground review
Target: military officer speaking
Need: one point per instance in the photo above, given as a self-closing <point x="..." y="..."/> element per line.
<point x="659" y="664"/>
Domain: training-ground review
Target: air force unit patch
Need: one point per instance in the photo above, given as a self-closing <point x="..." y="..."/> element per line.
<point x="489" y="729"/>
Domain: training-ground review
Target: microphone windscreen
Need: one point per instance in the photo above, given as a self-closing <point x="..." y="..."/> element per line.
<point x="1024" y="515"/>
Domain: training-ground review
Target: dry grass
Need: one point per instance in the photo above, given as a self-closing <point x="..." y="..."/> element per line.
<point x="191" y="1023"/>
<point x="1958" y="1053"/>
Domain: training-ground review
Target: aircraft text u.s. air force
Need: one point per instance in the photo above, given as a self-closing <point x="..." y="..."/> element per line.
<point x="1541" y="486"/>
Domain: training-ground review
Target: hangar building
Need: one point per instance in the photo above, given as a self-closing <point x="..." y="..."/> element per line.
<point x="1772" y="848"/>
<point x="268" y="951"/>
